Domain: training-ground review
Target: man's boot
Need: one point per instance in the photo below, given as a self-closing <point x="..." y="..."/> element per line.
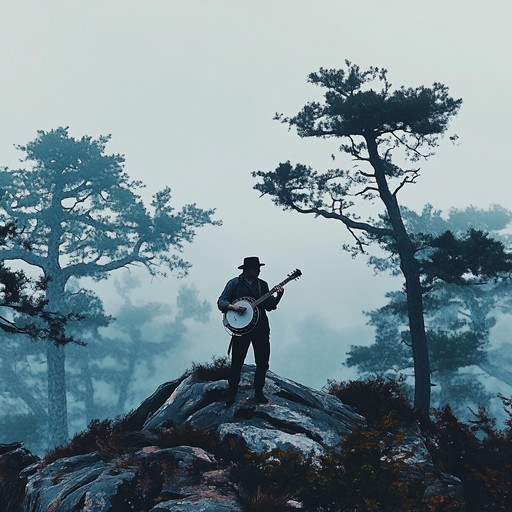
<point x="230" y="400"/>
<point x="260" y="398"/>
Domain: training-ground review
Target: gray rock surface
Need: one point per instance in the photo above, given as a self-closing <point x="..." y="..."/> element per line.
<point x="295" y="417"/>
<point x="178" y="477"/>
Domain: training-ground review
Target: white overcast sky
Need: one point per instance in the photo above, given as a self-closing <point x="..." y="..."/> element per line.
<point x="188" y="91"/>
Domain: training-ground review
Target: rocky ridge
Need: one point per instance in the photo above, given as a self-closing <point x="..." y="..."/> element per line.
<point x="175" y="451"/>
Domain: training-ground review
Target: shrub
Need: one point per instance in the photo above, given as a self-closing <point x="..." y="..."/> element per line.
<point x="142" y="493"/>
<point x="13" y="459"/>
<point x="104" y="436"/>
<point x="478" y="454"/>
<point x="374" y="398"/>
<point x="279" y="472"/>
<point x="218" y="369"/>
<point x="363" y="474"/>
<point x="264" y="501"/>
<point x="186" y="434"/>
<point x="268" y="479"/>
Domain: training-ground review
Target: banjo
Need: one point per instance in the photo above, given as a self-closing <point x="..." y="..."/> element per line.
<point x="237" y="323"/>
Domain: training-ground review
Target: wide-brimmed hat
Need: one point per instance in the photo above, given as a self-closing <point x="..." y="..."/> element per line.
<point x="251" y="261"/>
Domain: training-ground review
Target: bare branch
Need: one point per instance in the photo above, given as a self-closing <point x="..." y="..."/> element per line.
<point x="93" y="268"/>
<point x="407" y="179"/>
<point x="350" y="223"/>
<point x="77" y="202"/>
<point x="355" y="150"/>
<point x="409" y="147"/>
<point x="25" y="255"/>
<point x="72" y="192"/>
<point x="359" y="242"/>
<point x="367" y="189"/>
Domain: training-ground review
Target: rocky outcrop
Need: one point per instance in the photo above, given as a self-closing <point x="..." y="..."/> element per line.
<point x="176" y="451"/>
<point x="295" y="417"/>
<point x="180" y="479"/>
<point x="147" y="476"/>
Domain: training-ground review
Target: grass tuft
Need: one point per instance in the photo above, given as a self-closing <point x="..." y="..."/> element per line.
<point x="218" y="369"/>
<point x="104" y="436"/>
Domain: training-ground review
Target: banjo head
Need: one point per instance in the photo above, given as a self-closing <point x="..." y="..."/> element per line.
<point x="240" y="320"/>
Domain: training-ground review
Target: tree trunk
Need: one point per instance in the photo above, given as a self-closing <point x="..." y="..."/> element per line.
<point x="443" y="378"/>
<point x="56" y="356"/>
<point x="57" y="401"/>
<point x="420" y="354"/>
<point x="125" y="382"/>
<point x="56" y="368"/>
<point x="410" y="269"/>
<point x="89" y="407"/>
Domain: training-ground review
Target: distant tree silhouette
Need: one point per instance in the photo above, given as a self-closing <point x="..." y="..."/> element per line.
<point x="121" y="354"/>
<point x="466" y="281"/>
<point x="379" y="126"/>
<point x="111" y="370"/>
<point x="80" y="216"/>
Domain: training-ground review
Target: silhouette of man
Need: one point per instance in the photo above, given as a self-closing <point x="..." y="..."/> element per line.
<point x="248" y="284"/>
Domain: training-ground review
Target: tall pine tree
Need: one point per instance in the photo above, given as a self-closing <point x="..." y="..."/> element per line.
<point x="383" y="129"/>
<point x="81" y="216"/>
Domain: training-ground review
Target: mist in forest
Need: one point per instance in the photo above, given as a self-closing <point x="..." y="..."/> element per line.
<point x="188" y="94"/>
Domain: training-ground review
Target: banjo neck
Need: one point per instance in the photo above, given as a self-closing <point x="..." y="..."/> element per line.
<point x="265" y="296"/>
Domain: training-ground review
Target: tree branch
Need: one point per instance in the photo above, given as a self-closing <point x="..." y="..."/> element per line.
<point x="350" y="223"/>
<point x="409" y="147"/>
<point x="93" y="268"/>
<point x="359" y="242"/>
<point x="26" y="256"/>
<point x="367" y="189"/>
<point x="77" y="202"/>
<point x="406" y="180"/>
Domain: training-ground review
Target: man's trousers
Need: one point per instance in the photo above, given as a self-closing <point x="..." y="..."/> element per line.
<point x="260" y="339"/>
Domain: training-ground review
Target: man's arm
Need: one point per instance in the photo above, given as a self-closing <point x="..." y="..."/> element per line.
<point x="271" y="303"/>
<point x="228" y="296"/>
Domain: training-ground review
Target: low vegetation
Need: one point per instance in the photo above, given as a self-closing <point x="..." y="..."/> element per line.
<point x="104" y="436"/>
<point x="367" y="472"/>
<point x="218" y="369"/>
<point x="110" y="440"/>
<point x="364" y="473"/>
<point x="374" y="398"/>
<point x="479" y="454"/>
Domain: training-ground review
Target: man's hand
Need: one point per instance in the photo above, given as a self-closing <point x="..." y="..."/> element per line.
<point x="238" y="309"/>
<point x="279" y="290"/>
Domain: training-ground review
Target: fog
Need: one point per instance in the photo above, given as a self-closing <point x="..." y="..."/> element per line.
<point x="188" y="91"/>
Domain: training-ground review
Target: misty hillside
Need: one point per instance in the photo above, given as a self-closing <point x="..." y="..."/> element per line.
<point x="357" y="446"/>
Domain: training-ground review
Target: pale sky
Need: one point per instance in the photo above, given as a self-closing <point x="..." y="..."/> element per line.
<point x="188" y="91"/>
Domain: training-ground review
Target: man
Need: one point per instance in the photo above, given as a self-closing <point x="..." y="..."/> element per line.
<point x="248" y="284"/>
